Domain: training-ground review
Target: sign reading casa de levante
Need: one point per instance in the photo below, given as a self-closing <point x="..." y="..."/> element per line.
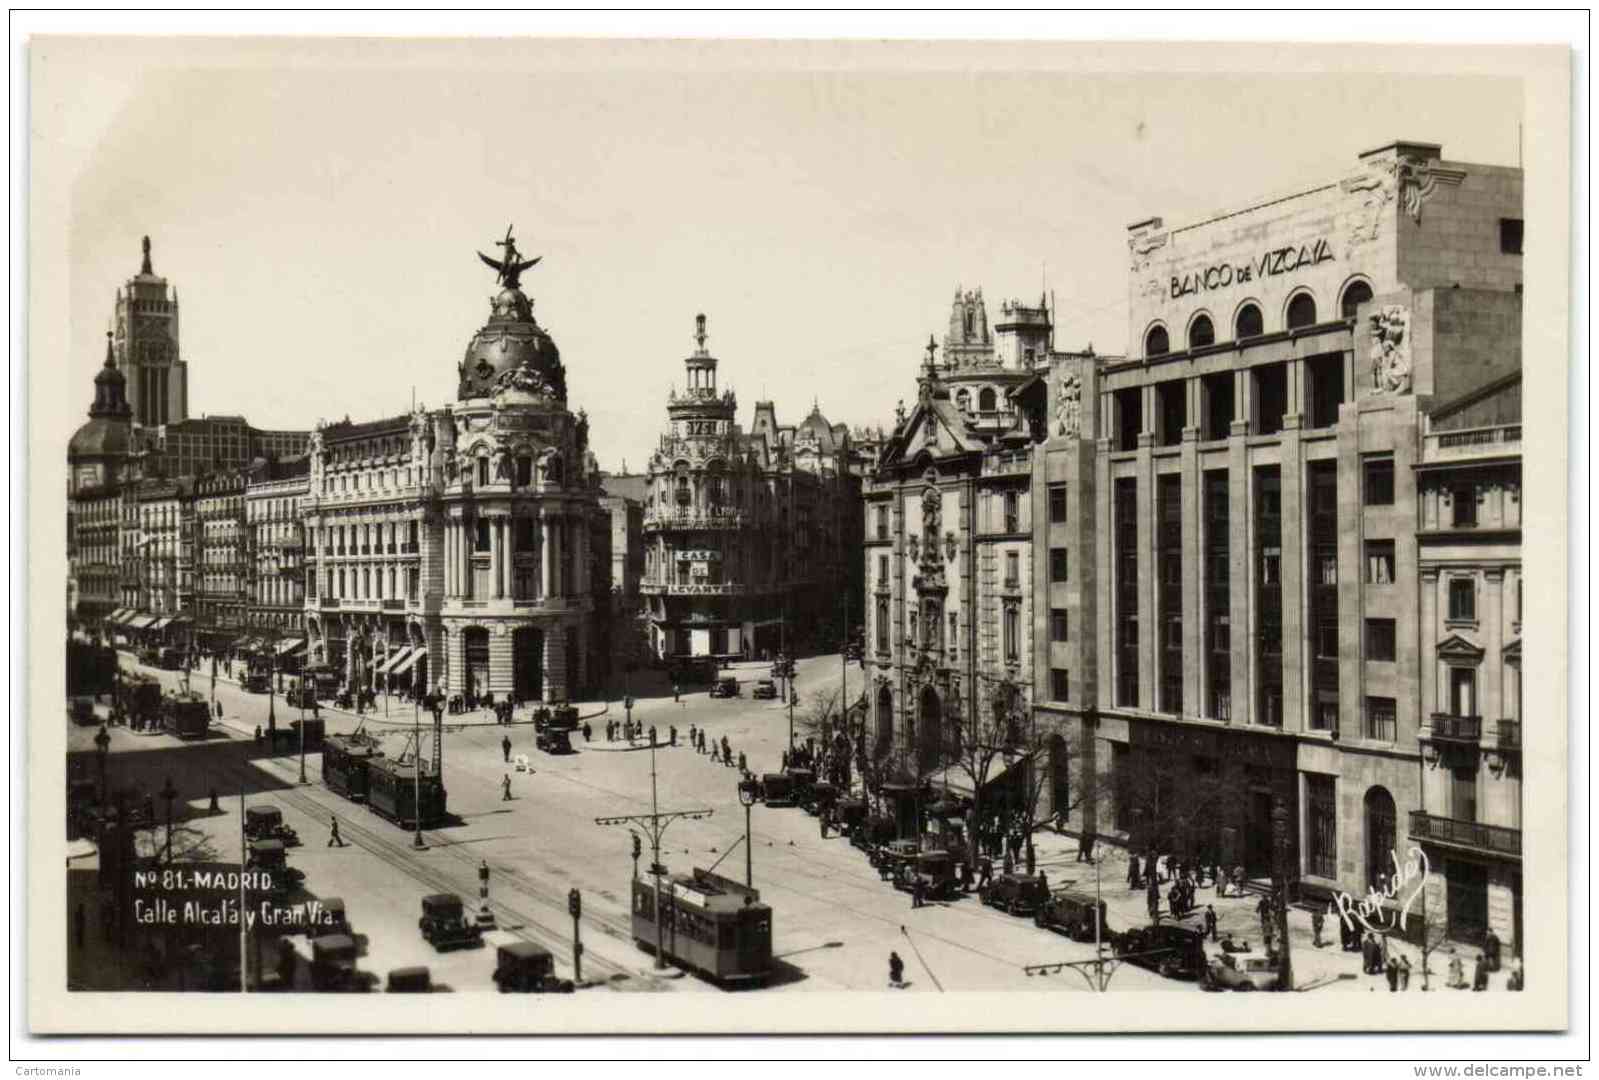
<point x="1281" y="260"/>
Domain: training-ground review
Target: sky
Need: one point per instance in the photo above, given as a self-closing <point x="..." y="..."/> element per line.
<point x="320" y="223"/>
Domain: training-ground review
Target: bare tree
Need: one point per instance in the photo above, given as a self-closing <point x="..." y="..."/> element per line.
<point x="1172" y="805"/>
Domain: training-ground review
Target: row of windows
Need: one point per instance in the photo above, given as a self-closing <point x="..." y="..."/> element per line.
<point x="1248" y="321"/>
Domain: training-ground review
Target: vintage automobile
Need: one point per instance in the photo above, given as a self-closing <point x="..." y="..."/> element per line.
<point x="1072" y="913"/>
<point x="266" y="823"/>
<point x="525" y="968"/>
<point x="892" y="855"/>
<point x="444" y="924"/>
<point x="257" y="681"/>
<point x="1018" y="894"/>
<point x="1175" y="951"/>
<point x="802" y="780"/>
<point x="850" y="815"/>
<point x="1240" y="971"/>
<point x="333" y="962"/>
<point x="410" y="980"/>
<point x="332" y="917"/>
<point x="554" y="740"/>
<point x="169" y="659"/>
<point x="765" y="689"/>
<point x="777" y="789"/>
<point x="819" y="798"/>
<point x="81" y="709"/>
<point x="269" y="855"/>
<point x="301" y="697"/>
<point x="873" y="831"/>
<point x="937" y="871"/>
<point x="725" y="688"/>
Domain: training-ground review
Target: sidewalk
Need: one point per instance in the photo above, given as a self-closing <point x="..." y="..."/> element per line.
<point x="1315" y="968"/>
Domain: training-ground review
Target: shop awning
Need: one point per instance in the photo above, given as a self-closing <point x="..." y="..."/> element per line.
<point x="409" y="662"/>
<point x="180" y="617"/>
<point x="117" y="615"/>
<point x="141" y="622"/>
<point x="292" y="645"/>
<point x="161" y="622"/>
<point x="395" y="658"/>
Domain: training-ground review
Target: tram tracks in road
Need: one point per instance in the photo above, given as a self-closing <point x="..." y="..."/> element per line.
<point x="529" y="926"/>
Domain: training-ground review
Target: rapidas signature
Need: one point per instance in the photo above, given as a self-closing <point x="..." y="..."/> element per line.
<point x="1370" y="911"/>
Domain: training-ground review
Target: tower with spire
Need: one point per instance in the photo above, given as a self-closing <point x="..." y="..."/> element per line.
<point x="98" y="452"/>
<point x="146" y="343"/>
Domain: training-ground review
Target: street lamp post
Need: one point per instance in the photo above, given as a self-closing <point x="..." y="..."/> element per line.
<point x="301" y="696"/>
<point x="747" y="795"/>
<point x="169" y="793"/>
<point x="102" y="747"/>
<point x="416" y="721"/>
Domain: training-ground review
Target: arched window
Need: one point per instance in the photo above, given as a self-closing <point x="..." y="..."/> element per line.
<point x="929" y="723"/>
<point x="985" y="399"/>
<point x="1301" y="311"/>
<point x="483" y="470"/>
<point x="1157" y="342"/>
<point x="1202" y="332"/>
<point x="1380" y="835"/>
<point x="963" y="400"/>
<point x="684" y="494"/>
<point x="1357" y="293"/>
<point x="1249" y="322"/>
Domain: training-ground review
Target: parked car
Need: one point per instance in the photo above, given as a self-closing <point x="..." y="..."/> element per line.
<point x="777" y="789"/>
<point x="936" y="869"/>
<point x="1177" y="952"/>
<point x="1241" y="971"/>
<point x="333" y="962"/>
<point x="525" y="968"/>
<point x="553" y="740"/>
<point x="410" y="980"/>
<point x="1072" y="913"/>
<point x="444" y="924"/>
<point x="725" y="688"/>
<point x="1018" y="894"/>
<point x="765" y="689"/>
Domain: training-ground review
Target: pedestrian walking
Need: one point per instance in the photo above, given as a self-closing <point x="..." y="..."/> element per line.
<point x="505" y="748"/>
<point x="713" y="754"/>
<point x="1154" y="905"/>
<point x="1317" y="921"/>
<point x="743" y="766"/>
<point x="1457" y="972"/>
<point x="258" y="734"/>
<point x="1263" y="910"/>
<point x="588" y="731"/>
<point x="1490" y="950"/>
<point x="1404" y="973"/>
<point x="219" y="710"/>
<point x="918" y="891"/>
<point x="1133" y="880"/>
<point x="896" y="971"/>
<point x="727" y="749"/>
<point x="1210" y="922"/>
<point x="334" y="839"/>
<point x="672" y="734"/>
<point x="652" y="734"/>
<point x="506" y="784"/>
<point x="1371" y="953"/>
<point x="1479" y="974"/>
<point x="675" y="692"/>
<point x="1392" y="971"/>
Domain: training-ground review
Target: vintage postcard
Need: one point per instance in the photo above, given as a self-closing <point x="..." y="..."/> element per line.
<point x="820" y="537"/>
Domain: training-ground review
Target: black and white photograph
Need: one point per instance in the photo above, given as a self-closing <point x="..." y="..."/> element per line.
<point x="796" y="536"/>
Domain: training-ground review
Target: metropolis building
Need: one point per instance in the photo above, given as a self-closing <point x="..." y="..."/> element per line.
<point x="461" y="550"/>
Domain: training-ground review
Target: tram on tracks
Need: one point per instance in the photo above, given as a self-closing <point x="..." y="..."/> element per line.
<point x="345" y="760"/>
<point x="709" y="924"/>
<point x="186" y="715"/>
<point x="394" y="791"/>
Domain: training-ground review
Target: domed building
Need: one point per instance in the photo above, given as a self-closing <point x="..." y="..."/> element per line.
<point x="100" y="468"/>
<point x="460" y="550"/>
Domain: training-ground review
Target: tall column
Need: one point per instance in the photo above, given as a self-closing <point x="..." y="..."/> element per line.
<point x="448" y="546"/>
<point x="508" y="563"/>
<point x="546" y="564"/>
<point x="468" y="541"/>
<point x="496" y="553"/>
<point x="1491" y="699"/>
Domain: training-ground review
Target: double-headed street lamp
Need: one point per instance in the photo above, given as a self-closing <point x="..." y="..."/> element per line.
<point x="749" y="793"/>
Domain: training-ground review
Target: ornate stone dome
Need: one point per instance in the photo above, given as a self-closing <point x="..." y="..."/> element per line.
<point x="512" y="349"/>
<point x="110" y="426"/>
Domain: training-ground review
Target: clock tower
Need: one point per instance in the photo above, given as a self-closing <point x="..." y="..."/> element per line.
<point x="146" y="346"/>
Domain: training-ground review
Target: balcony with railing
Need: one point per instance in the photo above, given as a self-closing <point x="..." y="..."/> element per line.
<point x="688" y="518"/>
<point x="1498" y="440"/>
<point x="1468" y="835"/>
<point x="1461" y="729"/>
<point x="1011" y="463"/>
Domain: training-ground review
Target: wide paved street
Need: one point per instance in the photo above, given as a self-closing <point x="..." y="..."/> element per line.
<point x="835" y="922"/>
